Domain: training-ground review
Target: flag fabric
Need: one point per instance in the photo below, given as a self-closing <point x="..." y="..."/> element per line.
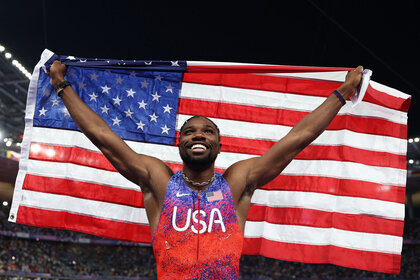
<point x="341" y="201"/>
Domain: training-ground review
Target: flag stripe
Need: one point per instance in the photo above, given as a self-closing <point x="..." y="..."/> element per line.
<point x="85" y="190"/>
<point x="88" y="224"/>
<point x="323" y="219"/>
<point x="337" y="186"/>
<point x="86" y="207"/>
<point x="235" y="67"/>
<point x="282" y="101"/>
<point x="330" y="203"/>
<point x="286" y="117"/>
<point x="324" y="236"/>
<point x="360" y="259"/>
<point x="298" y="86"/>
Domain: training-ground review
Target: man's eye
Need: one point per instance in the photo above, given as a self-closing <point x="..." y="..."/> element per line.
<point x="209" y="131"/>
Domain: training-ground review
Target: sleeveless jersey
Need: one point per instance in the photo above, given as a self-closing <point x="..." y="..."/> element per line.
<point x="198" y="235"/>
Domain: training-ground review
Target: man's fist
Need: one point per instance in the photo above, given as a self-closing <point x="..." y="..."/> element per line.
<point x="57" y="73"/>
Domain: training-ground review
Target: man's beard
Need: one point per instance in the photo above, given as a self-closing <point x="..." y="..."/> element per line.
<point x="200" y="162"/>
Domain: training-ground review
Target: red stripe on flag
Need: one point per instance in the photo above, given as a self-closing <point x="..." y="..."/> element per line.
<point x="323" y="219"/>
<point x="374" y="261"/>
<point x="87" y="224"/>
<point x="83" y="190"/>
<point x="335" y="186"/>
<point x="250" y="68"/>
<point x="70" y="155"/>
<point x="291" y="85"/>
<point x="287" y="117"/>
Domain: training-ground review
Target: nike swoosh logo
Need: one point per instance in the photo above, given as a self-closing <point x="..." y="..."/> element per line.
<point x="181" y="194"/>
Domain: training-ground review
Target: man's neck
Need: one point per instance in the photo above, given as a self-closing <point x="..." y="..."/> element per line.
<point x="198" y="175"/>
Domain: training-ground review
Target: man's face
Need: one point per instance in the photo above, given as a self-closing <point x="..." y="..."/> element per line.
<point x="199" y="142"/>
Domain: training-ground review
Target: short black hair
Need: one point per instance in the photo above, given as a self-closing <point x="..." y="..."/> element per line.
<point x="198" y="116"/>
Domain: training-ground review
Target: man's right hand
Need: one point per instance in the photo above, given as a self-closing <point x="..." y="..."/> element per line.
<point x="57" y="73"/>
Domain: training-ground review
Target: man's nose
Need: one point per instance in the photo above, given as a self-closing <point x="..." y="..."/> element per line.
<point x="199" y="135"/>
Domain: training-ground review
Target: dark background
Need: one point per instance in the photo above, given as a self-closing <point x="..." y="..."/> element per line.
<point x="380" y="35"/>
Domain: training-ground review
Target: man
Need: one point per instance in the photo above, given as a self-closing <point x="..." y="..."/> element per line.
<point x="197" y="216"/>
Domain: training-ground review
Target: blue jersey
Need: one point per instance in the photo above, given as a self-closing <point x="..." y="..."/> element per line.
<point x="198" y="235"/>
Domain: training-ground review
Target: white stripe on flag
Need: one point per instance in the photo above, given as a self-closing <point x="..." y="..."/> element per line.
<point x="86" y="207"/>
<point x="330" y="203"/>
<point x="79" y="173"/>
<point x="324" y="236"/>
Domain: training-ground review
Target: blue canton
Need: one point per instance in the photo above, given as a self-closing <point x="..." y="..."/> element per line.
<point x="139" y="105"/>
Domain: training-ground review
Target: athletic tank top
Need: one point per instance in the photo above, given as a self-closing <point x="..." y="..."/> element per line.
<point x="198" y="235"/>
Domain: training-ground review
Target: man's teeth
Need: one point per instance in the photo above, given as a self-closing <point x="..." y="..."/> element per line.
<point x="198" y="147"/>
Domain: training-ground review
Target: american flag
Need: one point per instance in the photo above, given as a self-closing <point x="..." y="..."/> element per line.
<point x="214" y="196"/>
<point x="341" y="201"/>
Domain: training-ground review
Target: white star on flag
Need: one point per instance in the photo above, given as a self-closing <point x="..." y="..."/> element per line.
<point x="128" y="113"/>
<point x="94" y="76"/>
<point x="82" y="85"/>
<point x="119" y="80"/>
<point x="105" y="89"/>
<point x="42" y="111"/>
<point x="174" y="63"/>
<point x="117" y="100"/>
<point x="116" y="121"/>
<point x="130" y="92"/>
<point x="55" y="102"/>
<point x="140" y="125"/>
<point x="65" y="112"/>
<point x="169" y="88"/>
<point x="144" y="84"/>
<point x="153" y="118"/>
<point x="156" y="97"/>
<point x="165" y="129"/>
<point x="105" y="109"/>
<point x="158" y="77"/>
<point x="142" y="104"/>
<point x="167" y="108"/>
<point x="92" y="96"/>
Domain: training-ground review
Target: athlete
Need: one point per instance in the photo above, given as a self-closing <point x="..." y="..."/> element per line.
<point x="197" y="217"/>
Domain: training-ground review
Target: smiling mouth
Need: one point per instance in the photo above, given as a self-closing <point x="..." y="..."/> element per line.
<point x="198" y="147"/>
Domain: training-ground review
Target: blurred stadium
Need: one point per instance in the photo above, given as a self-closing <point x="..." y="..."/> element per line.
<point x="38" y="253"/>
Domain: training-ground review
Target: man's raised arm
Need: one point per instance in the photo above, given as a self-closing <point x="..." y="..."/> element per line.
<point x="138" y="168"/>
<point x="261" y="170"/>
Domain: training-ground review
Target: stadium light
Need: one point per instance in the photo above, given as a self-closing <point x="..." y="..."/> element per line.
<point x="8" y="143"/>
<point x="16" y="63"/>
<point x="417" y="139"/>
<point x="410" y="140"/>
<point x="5" y="203"/>
<point x="411" y="161"/>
